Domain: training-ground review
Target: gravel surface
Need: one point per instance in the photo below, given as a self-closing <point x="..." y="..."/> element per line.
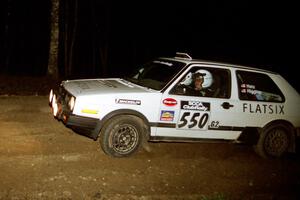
<point x="42" y="159"/>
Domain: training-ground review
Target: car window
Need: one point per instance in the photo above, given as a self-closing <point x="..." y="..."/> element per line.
<point x="254" y="86"/>
<point x="155" y="74"/>
<point x="206" y="82"/>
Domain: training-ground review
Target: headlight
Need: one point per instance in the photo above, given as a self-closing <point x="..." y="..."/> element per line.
<point x="71" y="103"/>
<point x="50" y="96"/>
<point x="54" y="106"/>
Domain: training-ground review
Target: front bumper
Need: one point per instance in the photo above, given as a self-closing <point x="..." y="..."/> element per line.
<point x="84" y="125"/>
<point x="58" y="101"/>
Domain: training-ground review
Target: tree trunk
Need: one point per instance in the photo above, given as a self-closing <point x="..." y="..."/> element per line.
<point x="73" y="39"/>
<point x="53" y="51"/>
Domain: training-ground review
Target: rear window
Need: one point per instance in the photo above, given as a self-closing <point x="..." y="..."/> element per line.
<point x="254" y="86"/>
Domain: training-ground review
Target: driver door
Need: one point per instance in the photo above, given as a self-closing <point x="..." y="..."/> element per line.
<point x="185" y="115"/>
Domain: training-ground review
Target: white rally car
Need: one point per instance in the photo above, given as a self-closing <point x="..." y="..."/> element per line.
<point x="183" y="99"/>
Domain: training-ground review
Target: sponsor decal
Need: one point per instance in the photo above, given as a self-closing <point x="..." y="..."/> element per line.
<point x="128" y="101"/>
<point x="170" y="102"/>
<point x="195" y="105"/>
<point x="167" y="115"/>
<point x="260" y="95"/>
<point x="248" y="86"/>
<point x="194" y="115"/>
<point x="263" y="108"/>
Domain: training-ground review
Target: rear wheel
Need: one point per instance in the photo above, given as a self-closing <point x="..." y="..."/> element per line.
<point x="122" y="136"/>
<point x="274" y="140"/>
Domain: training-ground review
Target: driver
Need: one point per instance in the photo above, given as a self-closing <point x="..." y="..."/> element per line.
<point x="198" y="84"/>
<point x="201" y="81"/>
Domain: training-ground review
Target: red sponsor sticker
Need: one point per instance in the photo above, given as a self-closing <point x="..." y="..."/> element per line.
<point x="170" y="102"/>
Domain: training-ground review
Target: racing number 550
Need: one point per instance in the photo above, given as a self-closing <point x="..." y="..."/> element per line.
<point x="195" y="119"/>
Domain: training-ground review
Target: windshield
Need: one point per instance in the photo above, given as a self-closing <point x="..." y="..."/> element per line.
<point x="155" y="74"/>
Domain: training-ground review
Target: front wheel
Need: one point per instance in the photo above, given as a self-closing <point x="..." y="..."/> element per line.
<point x="273" y="141"/>
<point x="122" y="135"/>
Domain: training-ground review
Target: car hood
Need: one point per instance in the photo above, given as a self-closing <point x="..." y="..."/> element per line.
<point x="83" y="87"/>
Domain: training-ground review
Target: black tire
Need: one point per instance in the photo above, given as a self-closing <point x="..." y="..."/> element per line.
<point x="122" y="135"/>
<point x="274" y="140"/>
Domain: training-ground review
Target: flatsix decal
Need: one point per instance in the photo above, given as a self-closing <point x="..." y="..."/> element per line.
<point x="263" y="108"/>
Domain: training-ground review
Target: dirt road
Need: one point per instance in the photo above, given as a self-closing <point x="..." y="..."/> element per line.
<point x="42" y="159"/>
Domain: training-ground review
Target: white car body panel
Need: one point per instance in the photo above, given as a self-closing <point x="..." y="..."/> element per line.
<point x="96" y="98"/>
<point x="142" y="100"/>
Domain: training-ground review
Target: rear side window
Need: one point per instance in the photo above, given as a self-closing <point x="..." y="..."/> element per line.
<point x="255" y="86"/>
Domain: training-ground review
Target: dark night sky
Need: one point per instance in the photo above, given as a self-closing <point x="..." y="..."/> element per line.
<point x="242" y="32"/>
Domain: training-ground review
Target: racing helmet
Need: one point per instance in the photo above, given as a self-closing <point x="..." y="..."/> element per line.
<point x="188" y="79"/>
<point x="207" y="77"/>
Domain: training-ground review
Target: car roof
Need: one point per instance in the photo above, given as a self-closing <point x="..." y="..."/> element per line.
<point x="187" y="59"/>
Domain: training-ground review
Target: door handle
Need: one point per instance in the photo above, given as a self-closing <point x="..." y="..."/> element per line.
<point x="226" y="105"/>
